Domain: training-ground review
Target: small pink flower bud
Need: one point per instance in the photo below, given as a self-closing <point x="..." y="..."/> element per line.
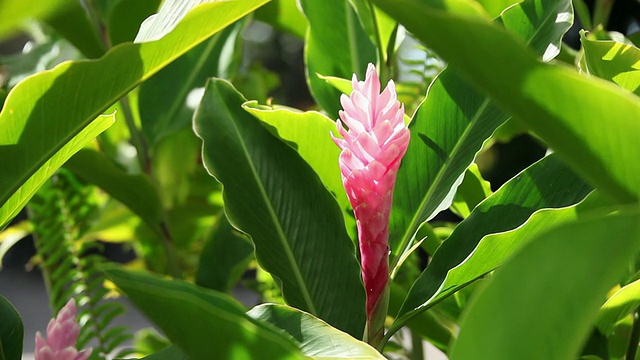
<point x="372" y="148"/>
<point x="62" y="334"/>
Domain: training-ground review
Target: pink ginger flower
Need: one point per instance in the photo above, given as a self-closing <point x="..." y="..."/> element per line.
<point x="62" y="334"/>
<point x="372" y="148"/>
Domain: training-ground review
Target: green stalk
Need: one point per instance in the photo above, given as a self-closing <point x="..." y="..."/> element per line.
<point x="384" y="69"/>
<point x="634" y="338"/>
<point x="601" y="12"/>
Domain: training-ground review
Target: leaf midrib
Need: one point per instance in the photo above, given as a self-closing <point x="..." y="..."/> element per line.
<point x="272" y="214"/>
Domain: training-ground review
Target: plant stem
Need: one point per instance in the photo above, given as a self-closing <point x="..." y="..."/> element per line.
<point x="634" y="338"/>
<point x="417" y="350"/>
<point x="601" y="12"/>
<point x="583" y="14"/>
<point x="137" y="140"/>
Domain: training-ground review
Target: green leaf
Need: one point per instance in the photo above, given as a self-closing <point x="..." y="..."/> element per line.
<point x="335" y="45"/>
<point x="316" y="339"/>
<point x="283" y="15"/>
<point x="568" y="271"/>
<point x="495" y="7"/>
<point x="12" y="235"/>
<point x="14" y="13"/>
<point x="453" y="122"/>
<point x="124" y="19"/>
<point x="202" y="322"/>
<point x="471" y="192"/>
<point x="309" y="133"/>
<point x="378" y="25"/>
<point x="134" y="191"/>
<point x="171" y="352"/>
<point x="618" y="306"/>
<point x="11" y="331"/>
<point x="562" y="107"/>
<point x="614" y="61"/>
<point x="163" y="99"/>
<point x="45" y="111"/>
<point x="463" y="257"/>
<point x="224" y="257"/>
<point x="23" y="189"/>
<point x="294" y="222"/>
<point x="75" y="25"/>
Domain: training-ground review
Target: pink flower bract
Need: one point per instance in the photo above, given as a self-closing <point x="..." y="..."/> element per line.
<point x="372" y="147"/>
<point x="62" y="334"/>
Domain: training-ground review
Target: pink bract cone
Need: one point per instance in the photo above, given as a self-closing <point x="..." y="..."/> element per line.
<point x="62" y="334"/>
<point x="372" y="148"/>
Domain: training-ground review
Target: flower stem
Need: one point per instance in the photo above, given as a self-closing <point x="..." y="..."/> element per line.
<point x="634" y="338"/>
<point x="384" y="69"/>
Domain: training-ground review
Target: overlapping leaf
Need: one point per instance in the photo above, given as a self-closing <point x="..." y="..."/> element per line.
<point x="11" y="331"/>
<point x="562" y="107"/>
<point x="452" y="123"/>
<point x="463" y="257"/>
<point x="613" y="61"/>
<point x="43" y="113"/>
<point x="273" y="195"/>
<point x="550" y="315"/>
<point x="202" y="322"/>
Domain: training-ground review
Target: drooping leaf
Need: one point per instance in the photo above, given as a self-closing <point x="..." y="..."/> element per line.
<point x="612" y="60"/>
<point x="134" y="191"/>
<point x="315" y="338"/>
<point x="11" y="235"/>
<point x="335" y="45"/>
<point x="568" y="271"/>
<point x="202" y="322"/>
<point x="283" y="15"/>
<point x="294" y="222"/>
<point x="618" y="306"/>
<point x="224" y="257"/>
<point x="452" y="123"/>
<point x="11" y="331"/>
<point x="545" y="184"/>
<point x="558" y="104"/>
<point x="43" y="112"/>
<point x="309" y="133"/>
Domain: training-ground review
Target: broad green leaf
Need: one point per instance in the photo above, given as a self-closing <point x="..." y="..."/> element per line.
<point x="202" y="322"/>
<point x="23" y="189"/>
<point x="124" y="19"/>
<point x="335" y="45"/>
<point x="11" y="331"/>
<point x="567" y="272"/>
<point x="168" y="17"/>
<point x="164" y="99"/>
<point x="14" y="13"/>
<point x="315" y="338"/>
<point x="618" y="306"/>
<point x="171" y="352"/>
<point x="294" y="222"/>
<point x="45" y="111"/>
<point x="309" y="133"/>
<point x="453" y="122"/>
<point x="75" y="24"/>
<point x="562" y="107"/>
<point x="134" y="191"/>
<point x="283" y="15"/>
<point x="224" y="257"/>
<point x="471" y="192"/>
<point x="612" y="60"/>
<point x="546" y="184"/>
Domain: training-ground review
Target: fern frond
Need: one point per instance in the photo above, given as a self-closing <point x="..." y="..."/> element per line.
<point x="62" y="211"/>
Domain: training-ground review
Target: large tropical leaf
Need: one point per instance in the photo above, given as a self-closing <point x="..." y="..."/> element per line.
<point x="618" y="306"/>
<point x="562" y="107"/>
<point x="461" y="258"/>
<point x="202" y="322"/>
<point x="452" y="123"/>
<point x="44" y="112"/>
<point x="336" y="45"/>
<point x="273" y="195"/>
<point x="542" y="302"/>
<point x="315" y="338"/>
<point x="11" y="331"/>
